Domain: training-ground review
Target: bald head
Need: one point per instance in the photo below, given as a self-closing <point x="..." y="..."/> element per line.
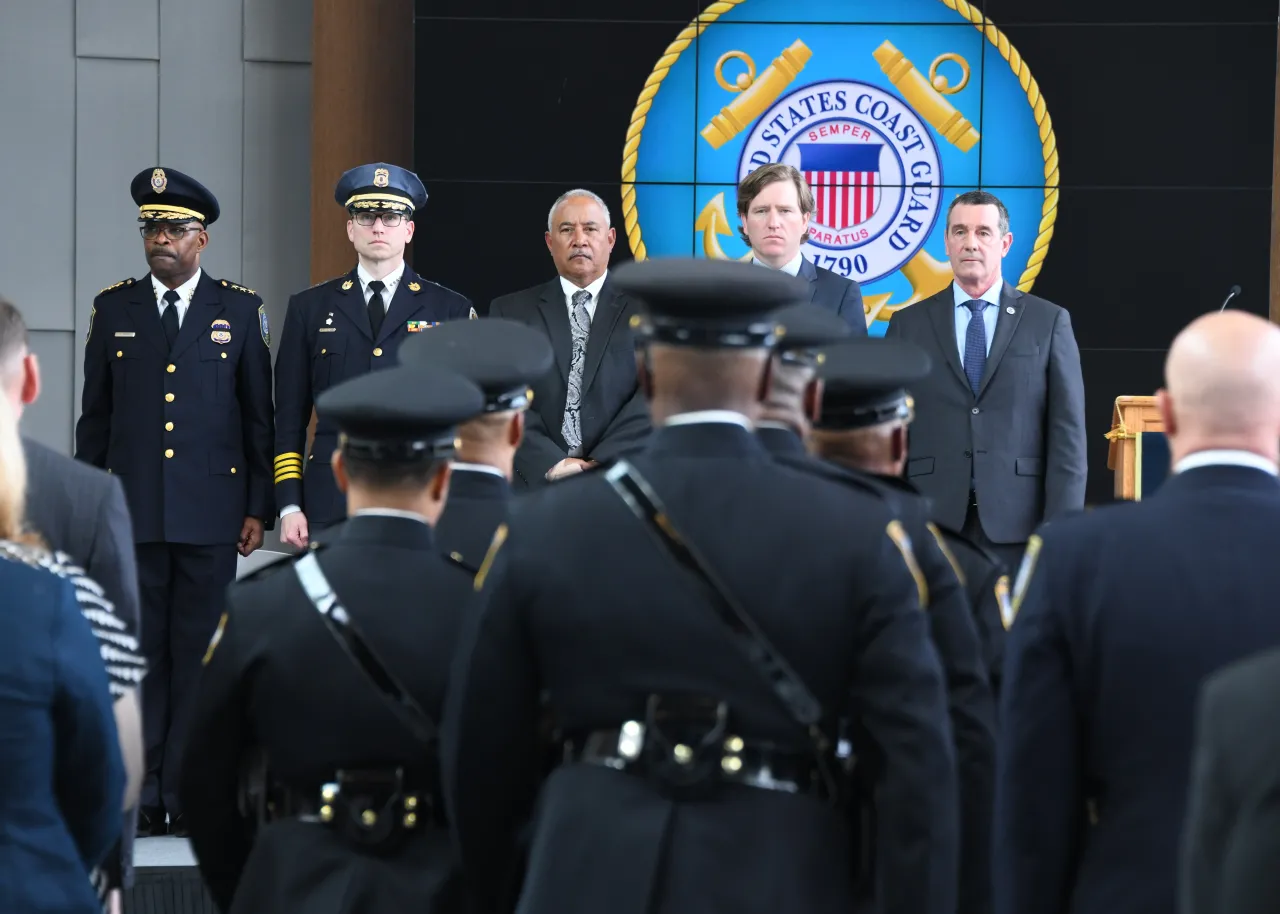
<point x="1222" y="386"/>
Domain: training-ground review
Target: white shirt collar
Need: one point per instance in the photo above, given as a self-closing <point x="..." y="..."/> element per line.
<point x="1226" y="457"/>
<point x="793" y="267"/>
<point x="391" y="512"/>
<point x="699" y="417"/>
<point x="778" y="425"/>
<point x="478" y="468"/>
<point x="992" y="295"/>
<point x="391" y="280"/>
<point x="569" y="288"/>
<point x="185" y="291"/>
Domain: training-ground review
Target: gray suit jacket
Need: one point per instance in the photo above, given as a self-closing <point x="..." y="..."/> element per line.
<point x="1231" y="839"/>
<point x="835" y="293"/>
<point x="1021" y="439"/>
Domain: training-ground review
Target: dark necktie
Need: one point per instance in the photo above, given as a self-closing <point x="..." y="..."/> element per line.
<point x="377" y="309"/>
<point x="975" y="345"/>
<point x="169" y="317"/>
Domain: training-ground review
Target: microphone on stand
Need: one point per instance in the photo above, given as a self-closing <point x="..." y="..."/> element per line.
<point x="1235" y="290"/>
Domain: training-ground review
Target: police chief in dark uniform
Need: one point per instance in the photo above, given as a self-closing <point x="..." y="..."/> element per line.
<point x="177" y="403"/>
<point x="688" y="782"/>
<point x="860" y="423"/>
<point x="504" y="359"/>
<point x="346" y="327"/>
<point x="354" y="821"/>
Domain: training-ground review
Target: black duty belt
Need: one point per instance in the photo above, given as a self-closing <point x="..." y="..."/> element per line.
<point x="372" y="808"/>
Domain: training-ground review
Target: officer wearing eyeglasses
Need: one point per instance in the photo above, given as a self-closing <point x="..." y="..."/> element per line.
<point x="346" y="327"/>
<point x="177" y="403"/>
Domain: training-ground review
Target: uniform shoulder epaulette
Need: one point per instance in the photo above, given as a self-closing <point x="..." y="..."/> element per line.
<point x="122" y="284"/>
<point x="455" y="558"/>
<point x="238" y="288"/>
<point x="325" y="282"/>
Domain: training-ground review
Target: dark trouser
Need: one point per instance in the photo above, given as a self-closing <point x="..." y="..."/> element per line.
<point x="1009" y="553"/>
<point x="182" y="590"/>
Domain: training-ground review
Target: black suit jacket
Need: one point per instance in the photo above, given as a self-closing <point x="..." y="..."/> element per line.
<point x="1021" y="439"/>
<point x="835" y="293"/>
<point x="614" y="415"/>
<point x="1231" y="838"/>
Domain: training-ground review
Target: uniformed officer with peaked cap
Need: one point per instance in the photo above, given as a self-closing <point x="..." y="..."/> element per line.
<point x="860" y="425"/>
<point x="177" y="403"/>
<point x="505" y="359"/>
<point x="688" y="781"/>
<point x="351" y="818"/>
<point x="783" y="424"/>
<point x="346" y="327"/>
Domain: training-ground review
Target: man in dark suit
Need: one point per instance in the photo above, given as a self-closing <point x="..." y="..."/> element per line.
<point x="687" y="782"/>
<point x="346" y="327"/>
<point x="1119" y="615"/>
<point x="590" y="408"/>
<point x="356" y="820"/>
<point x="1231" y="838"/>
<point x="177" y="403"/>
<point x="504" y="359"/>
<point x="775" y="209"/>
<point x="999" y="440"/>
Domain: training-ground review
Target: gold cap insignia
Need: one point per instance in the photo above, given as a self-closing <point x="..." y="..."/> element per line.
<point x="159" y="181"/>
<point x="381" y="177"/>
<point x="347" y="285"/>
<point x="415" y="287"/>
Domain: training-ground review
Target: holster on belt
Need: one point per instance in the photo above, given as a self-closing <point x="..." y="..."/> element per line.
<point x="683" y="745"/>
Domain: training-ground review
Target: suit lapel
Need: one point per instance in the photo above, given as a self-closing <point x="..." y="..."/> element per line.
<point x="404" y="304"/>
<point x="810" y="272"/>
<point x="351" y="303"/>
<point x="145" y="314"/>
<point x="205" y="305"/>
<point x="1006" y="325"/>
<point x="942" y="313"/>
<point x="556" y="317"/>
<point x="608" y="310"/>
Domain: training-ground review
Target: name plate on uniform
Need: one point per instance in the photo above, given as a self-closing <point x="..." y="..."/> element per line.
<point x="1151" y="463"/>
<point x="125" y="333"/>
<point x="328" y="329"/>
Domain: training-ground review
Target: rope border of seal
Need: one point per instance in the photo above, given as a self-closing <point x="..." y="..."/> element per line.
<point x="1048" y="142"/>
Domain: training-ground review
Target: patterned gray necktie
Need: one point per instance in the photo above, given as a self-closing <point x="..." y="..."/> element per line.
<point x="580" y="323"/>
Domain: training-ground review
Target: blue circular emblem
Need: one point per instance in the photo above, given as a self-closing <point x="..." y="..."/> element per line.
<point x="888" y="118"/>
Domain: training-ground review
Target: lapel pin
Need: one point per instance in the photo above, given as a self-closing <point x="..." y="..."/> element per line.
<point x="347" y="285"/>
<point x="1009" y="309"/>
<point x="414" y="287"/>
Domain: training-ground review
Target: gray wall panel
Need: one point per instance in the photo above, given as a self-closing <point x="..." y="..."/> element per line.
<point x="37" y="107"/>
<point x="127" y="29"/>
<point x="277" y="183"/>
<point x="277" y="30"/>
<point x="109" y="94"/>
<point x="48" y="420"/>
<point x="202" y="112"/>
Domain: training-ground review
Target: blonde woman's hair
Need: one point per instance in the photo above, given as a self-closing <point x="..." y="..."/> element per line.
<point x="13" y="475"/>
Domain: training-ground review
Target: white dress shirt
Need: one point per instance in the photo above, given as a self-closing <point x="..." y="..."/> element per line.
<point x="964" y="315"/>
<point x="1226" y="457"/>
<point x="710" y="416"/>
<point x="391" y="512"/>
<point x="593" y="289"/>
<point x="391" y="280"/>
<point x="793" y="267"/>
<point x="478" y="468"/>
<point x="185" y="293"/>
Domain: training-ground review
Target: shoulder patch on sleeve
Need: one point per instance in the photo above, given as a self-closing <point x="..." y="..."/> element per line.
<point x="1025" y="570"/>
<point x="262" y="325"/>
<point x="900" y="538"/>
<point x="214" y="641"/>
<point x="1002" y="600"/>
<point x="499" y="537"/>
<point x="93" y="312"/>
<point x="946" y="550"/>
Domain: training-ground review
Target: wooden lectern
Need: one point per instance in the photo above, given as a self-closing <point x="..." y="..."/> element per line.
<point x="1131" y="418"/>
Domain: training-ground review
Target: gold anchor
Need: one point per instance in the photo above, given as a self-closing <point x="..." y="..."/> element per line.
<point x="925" y="95"/>
<point x="757" y="94"/>
<point x="713" y="221"/>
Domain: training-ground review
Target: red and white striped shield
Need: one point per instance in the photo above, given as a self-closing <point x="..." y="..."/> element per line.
<point x="844" y="179"/>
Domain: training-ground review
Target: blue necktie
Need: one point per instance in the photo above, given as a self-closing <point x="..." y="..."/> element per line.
<point x="975" y="345"/>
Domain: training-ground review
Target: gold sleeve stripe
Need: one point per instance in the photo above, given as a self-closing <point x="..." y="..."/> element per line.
<point x="292" y="455"/>
<point x="499" y="537"/>
<point x="288" y="465"/>
<point x="1025" y="570"/>
<point x="1002" y="600"/>
<point x="281" y="477"/>
<point x="213" y="642"/>
<point x="946" y="550"/>
<point x="898" y="534"/>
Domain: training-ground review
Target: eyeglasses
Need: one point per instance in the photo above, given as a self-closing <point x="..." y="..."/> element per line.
<point x="172" y="231"/>
<point x="390" y="220"/>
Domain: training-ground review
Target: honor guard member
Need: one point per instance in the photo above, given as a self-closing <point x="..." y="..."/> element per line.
<point x="177" y="403"/>
<point x="783" y="426"/>
<point x="860" y="425"/>
<point x="698" y="770"/>
<point x="344" y="799"/>
<point x="346" y="327"/>
<point x="504" y="359"/>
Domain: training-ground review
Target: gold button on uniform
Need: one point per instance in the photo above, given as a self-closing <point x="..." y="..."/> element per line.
<point x="378" y="351"/>
<point x="168" y="398"/>
<point x="168" y="426"/>
<point x="168" y="452"/>
<point x="224" y="355"/>
<point x="119" y="354"/>
<point x="233" y="471"/>
<point x="171" y="369"/>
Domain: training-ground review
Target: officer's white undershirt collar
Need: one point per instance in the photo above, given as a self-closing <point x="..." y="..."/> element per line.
<point x="391" y="512"/>
<point x="478" y="468"/>
<point x="1226" y="457"/>
<point x="705" y="416"/>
